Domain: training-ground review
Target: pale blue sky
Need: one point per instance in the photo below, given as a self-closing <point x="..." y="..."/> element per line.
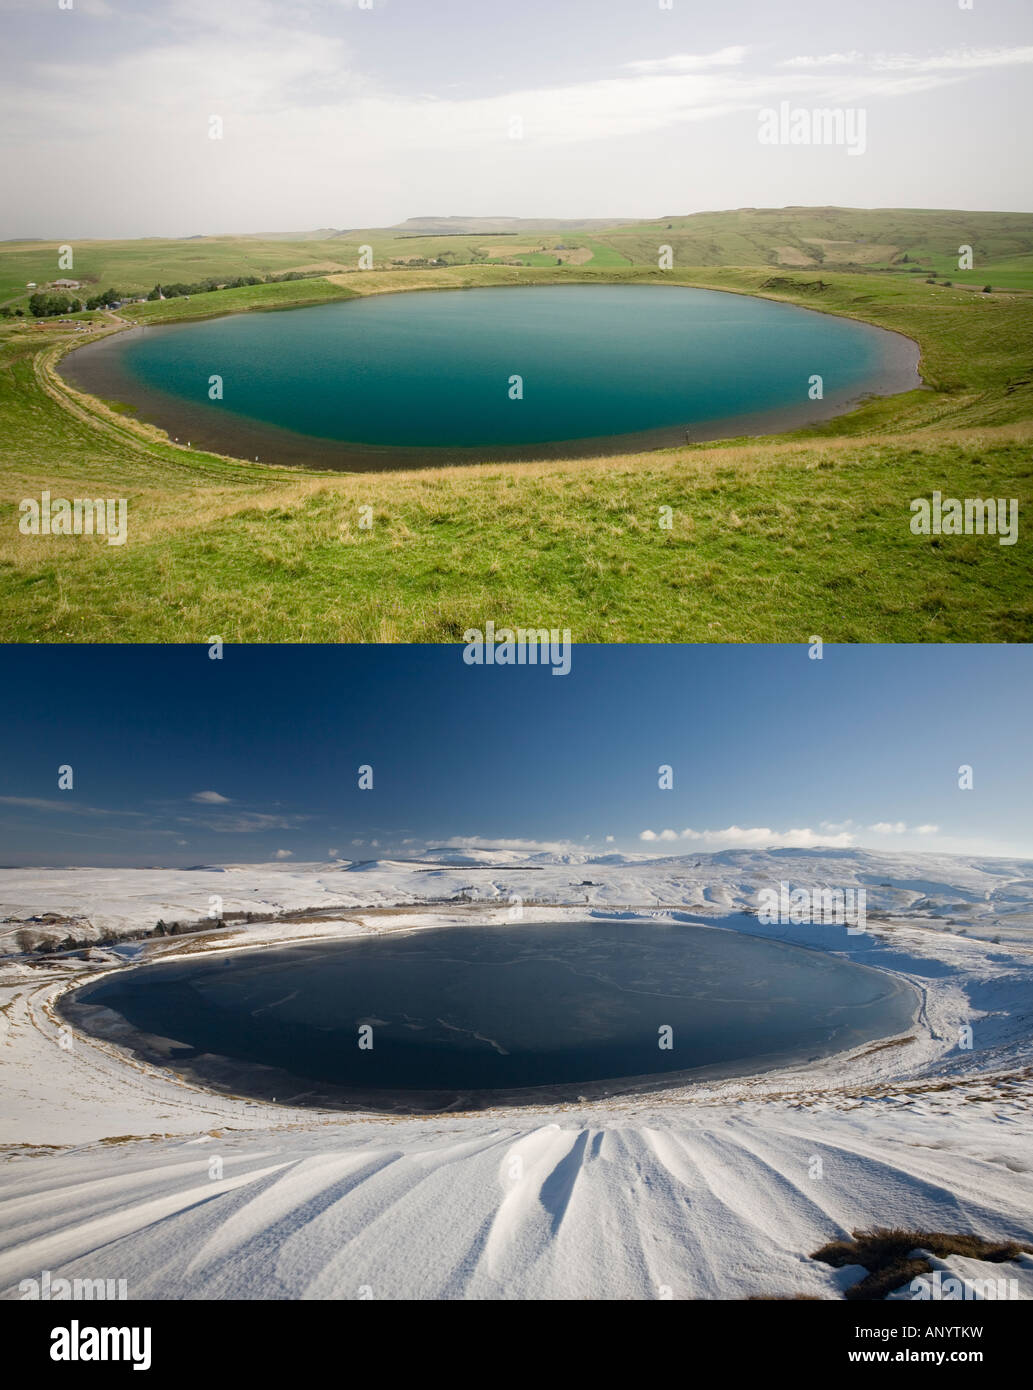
<point x="338" y="115"/>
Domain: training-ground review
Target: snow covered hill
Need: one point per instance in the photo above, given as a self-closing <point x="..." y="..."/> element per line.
<point x="985" y="896"/>
<point x="119" y="1169"/>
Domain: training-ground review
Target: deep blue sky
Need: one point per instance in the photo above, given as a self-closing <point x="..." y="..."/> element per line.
<point x="760" y="738"/>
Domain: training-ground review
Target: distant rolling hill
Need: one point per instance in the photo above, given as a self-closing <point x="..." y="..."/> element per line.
<point x="901" y="240"/>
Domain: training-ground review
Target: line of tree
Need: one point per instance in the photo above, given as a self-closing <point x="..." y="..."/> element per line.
<point x="179" y="289"/>
<point x="44" y="304"/>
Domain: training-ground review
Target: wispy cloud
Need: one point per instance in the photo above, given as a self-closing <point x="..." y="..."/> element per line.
<point x="69" y="807"/>
<point x="244" y="822"/>
<point x="690" y="62"/>
<point x="211" y="798"/>
<point x="959" y="59"/>
<point x="824" y="60"/>
<point x="899" y="827"/>
<point x="963" y="59"/>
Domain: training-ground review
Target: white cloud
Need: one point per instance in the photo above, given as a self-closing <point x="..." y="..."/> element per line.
<point x="283" y="854"/>
<point x="297" y="89"/>
<point x="690" y="62"/>
<point x="210" y="798"/>
<point x="471" y="842"/>
<point x="755" y="837"/>
<point x="926" y="829"/>
<point x="962" y="59"/>
<point x="825" y="60"/>
<point x="967" y="59"/>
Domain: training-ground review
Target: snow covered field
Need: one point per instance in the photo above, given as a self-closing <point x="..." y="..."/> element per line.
<point x="119" y="1170"/>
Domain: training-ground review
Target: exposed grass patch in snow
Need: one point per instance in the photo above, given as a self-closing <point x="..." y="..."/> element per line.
<point x="889" y="1254"/>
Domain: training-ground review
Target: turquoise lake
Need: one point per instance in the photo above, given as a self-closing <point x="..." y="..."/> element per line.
<point x="427" y="377"/>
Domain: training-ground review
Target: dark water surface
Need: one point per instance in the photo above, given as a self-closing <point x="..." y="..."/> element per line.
<point x="425" y="378"/>
<point x="476" y="1015"/>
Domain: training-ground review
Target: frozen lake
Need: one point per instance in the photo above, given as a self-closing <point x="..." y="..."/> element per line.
<point x="436" y="1018"/>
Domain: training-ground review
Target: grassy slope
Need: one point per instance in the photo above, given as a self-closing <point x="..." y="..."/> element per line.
<point x="772" y="541"/>
<point x="292" y="294"/>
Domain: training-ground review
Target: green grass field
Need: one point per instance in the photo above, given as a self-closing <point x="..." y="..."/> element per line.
<point x="772" y="540"/>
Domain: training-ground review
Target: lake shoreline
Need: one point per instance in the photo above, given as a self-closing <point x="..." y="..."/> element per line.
<point x="221" y="1075"/>
<point x="96" y="369"/>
